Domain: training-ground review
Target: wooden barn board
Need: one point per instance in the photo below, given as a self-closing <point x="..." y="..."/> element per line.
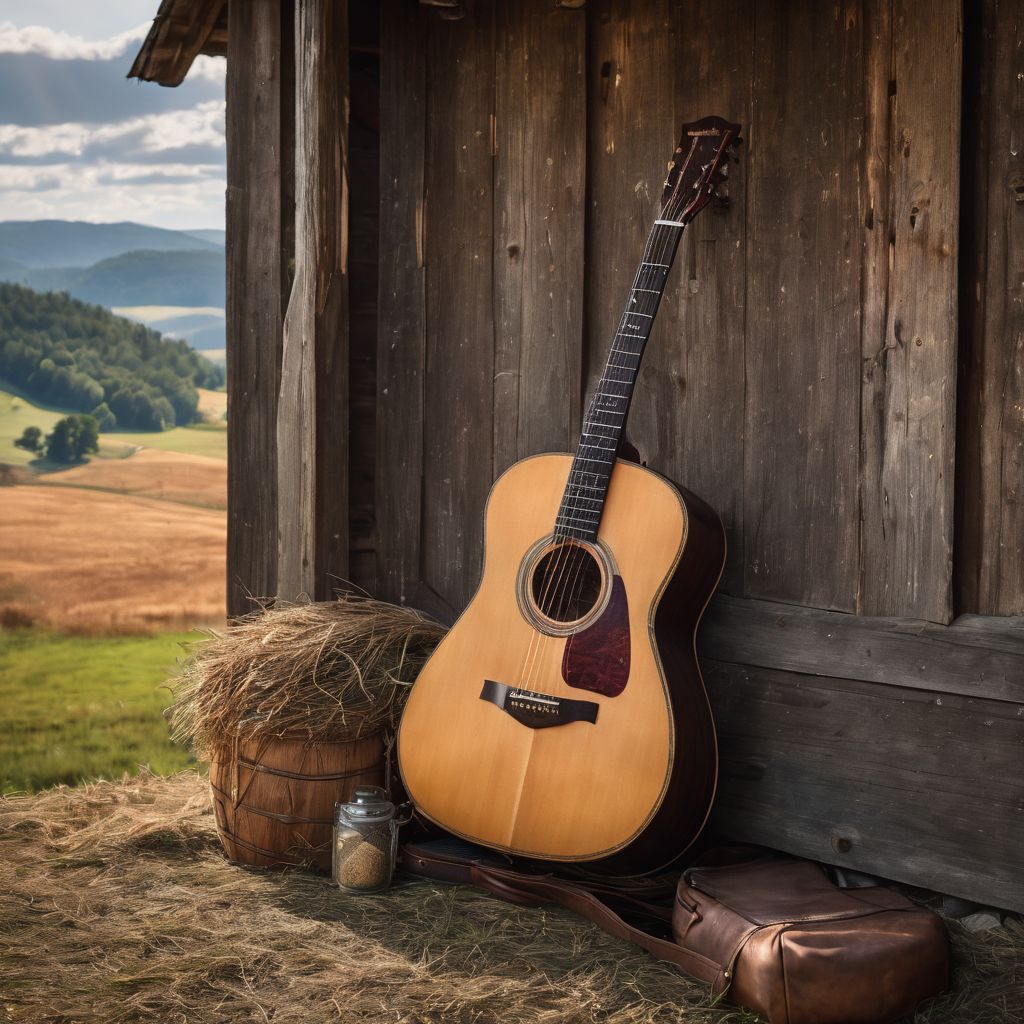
<point x="687" y="414"/>
<point x="402" y="318"/>
<point x="539" y="215"/>
<point x="978" y="656"/>
<point x="181" y="30"/>
<point x="909" y="338"/>
<point x="312" y="434"/>
<point x="990" y="532"/>
<point x="458" y="415"/>
<point x="885" y="779"/>
<point x="691" y="399"/>
<point x="803" y="300"/>
<point x="363" y="264"/>
<point x="632" y="131"/>
<point x="258" y="111"/>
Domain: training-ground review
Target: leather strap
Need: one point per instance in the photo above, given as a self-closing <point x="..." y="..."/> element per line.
<point x="549" y="890"/>
<point x="532" y="890"/>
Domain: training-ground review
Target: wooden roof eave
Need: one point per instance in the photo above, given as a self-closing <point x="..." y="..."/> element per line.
<point x="182" y="29"/>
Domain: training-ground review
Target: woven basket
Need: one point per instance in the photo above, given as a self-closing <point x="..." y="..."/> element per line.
<point x="274" y="797"/>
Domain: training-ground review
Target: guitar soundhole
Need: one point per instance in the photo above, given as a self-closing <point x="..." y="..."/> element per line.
<point x="567" y="582"/>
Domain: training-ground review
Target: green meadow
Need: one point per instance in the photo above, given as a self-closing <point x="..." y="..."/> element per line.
<point x="77" y="708"/>
<point x="17" y="413"/>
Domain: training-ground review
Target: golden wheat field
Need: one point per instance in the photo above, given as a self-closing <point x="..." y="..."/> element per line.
<point x="85" y="560"/>
<point x="171" y="476"/>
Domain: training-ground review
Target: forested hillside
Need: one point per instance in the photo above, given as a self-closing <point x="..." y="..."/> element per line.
<point x="83" y="358"/>
<point x="189" y="278"/>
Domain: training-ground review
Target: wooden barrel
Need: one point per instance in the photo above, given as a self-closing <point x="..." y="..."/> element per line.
<point x="274" y="798"/>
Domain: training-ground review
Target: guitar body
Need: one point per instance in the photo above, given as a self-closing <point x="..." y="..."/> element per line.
<point x="574" y="731"/>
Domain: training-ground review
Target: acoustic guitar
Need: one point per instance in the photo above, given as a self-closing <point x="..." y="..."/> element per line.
<point x="564" y="716"/>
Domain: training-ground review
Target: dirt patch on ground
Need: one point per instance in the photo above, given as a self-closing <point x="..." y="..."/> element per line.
<point x="170" y="476"/>
<point x="90" y="561"/>
<point x="116" y="905"/>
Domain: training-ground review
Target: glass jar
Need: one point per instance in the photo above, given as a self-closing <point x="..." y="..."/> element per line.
<point x="365" y="841"/>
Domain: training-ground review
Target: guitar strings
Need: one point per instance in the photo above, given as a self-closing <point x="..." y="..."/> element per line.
<point x="659" y="243"/>
<point x="572" y="557"/>
<point x="665" y="253"/>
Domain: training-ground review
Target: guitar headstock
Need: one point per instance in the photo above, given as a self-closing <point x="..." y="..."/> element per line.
<point x="698" y="166"/>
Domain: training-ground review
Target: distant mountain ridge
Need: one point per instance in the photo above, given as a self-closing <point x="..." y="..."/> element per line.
<point x="139" y="278"/>
<point x="125" y="265"/>
<point x="68" y="243"/>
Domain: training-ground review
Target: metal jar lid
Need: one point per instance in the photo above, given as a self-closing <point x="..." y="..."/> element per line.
<point x="367" y="804"/>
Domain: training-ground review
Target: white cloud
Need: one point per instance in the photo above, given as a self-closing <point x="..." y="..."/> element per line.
<point x="153" y="133"/>
<point x="166" y="195"/>
<point x="212" y="69"/>
<point x="62" y="46"/>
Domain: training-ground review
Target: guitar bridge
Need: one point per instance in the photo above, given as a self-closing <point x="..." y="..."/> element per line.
<point x="538" y="710"/>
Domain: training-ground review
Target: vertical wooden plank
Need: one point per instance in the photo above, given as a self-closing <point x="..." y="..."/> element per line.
<point x="632" y="131"/>
<point x="910" y="370"/>
<point x="803" y="302"/>
<point x="687" y="418"/>
<point x="459" y="396"/>
<point x="540" y="119"/>
<point x="401" y="332"/>
<point x="330" y="248"/>
<point x="990" y="495"/>
<point x="364" y="260"/>
<point x="312" y="435"/>
<point x="257" y="109"/>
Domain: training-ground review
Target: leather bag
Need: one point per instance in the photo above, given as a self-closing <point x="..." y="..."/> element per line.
<point x="794" y="947"/>
<point x="773" y="935"/>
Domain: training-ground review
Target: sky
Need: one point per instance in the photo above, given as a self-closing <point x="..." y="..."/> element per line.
<point x="79" y="141"/>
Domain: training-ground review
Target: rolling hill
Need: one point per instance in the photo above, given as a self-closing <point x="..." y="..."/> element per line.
<point x="66" y="243"/>
<point x="138" y="278"/>
<point x="131" y="268"/>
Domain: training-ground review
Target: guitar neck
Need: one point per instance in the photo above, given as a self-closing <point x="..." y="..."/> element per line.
<point x="579" y="514"/>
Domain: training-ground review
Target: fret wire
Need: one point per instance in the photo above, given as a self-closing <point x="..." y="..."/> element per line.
<point x="586" y="488"/>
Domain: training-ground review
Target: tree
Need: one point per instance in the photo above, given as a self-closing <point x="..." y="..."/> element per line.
<point x="105" y="419"/>
<point x="72" y="439"/>
<point x="31" y="440"/>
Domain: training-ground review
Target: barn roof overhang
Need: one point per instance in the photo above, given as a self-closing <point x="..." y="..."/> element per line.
<point x="182" y="29"/>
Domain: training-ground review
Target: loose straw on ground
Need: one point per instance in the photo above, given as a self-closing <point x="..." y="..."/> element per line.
<point x="116" y="905"/>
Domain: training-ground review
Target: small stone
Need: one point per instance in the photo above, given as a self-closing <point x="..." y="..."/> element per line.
<point x="983" y="921"/>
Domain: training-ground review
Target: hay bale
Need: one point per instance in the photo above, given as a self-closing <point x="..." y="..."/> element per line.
<point x="294" y="707"/>
<point x="327" y="670"/>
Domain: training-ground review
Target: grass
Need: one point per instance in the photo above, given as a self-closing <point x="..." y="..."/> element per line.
<point x="78" y="708"/>
<point x="17" y="413"/>
<point x="209" y="439"/>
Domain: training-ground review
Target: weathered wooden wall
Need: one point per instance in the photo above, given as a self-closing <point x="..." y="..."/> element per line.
<point x="802" y="372"/>
<point x="802" y="375"/>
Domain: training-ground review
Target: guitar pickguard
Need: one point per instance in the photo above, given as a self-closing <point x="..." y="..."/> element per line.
<point x="597" y="658"/>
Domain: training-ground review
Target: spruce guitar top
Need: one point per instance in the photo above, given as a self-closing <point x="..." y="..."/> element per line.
<point x="564" y="716"/>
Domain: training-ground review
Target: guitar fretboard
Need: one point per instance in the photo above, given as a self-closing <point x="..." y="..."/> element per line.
<point x="579" y="515"/>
